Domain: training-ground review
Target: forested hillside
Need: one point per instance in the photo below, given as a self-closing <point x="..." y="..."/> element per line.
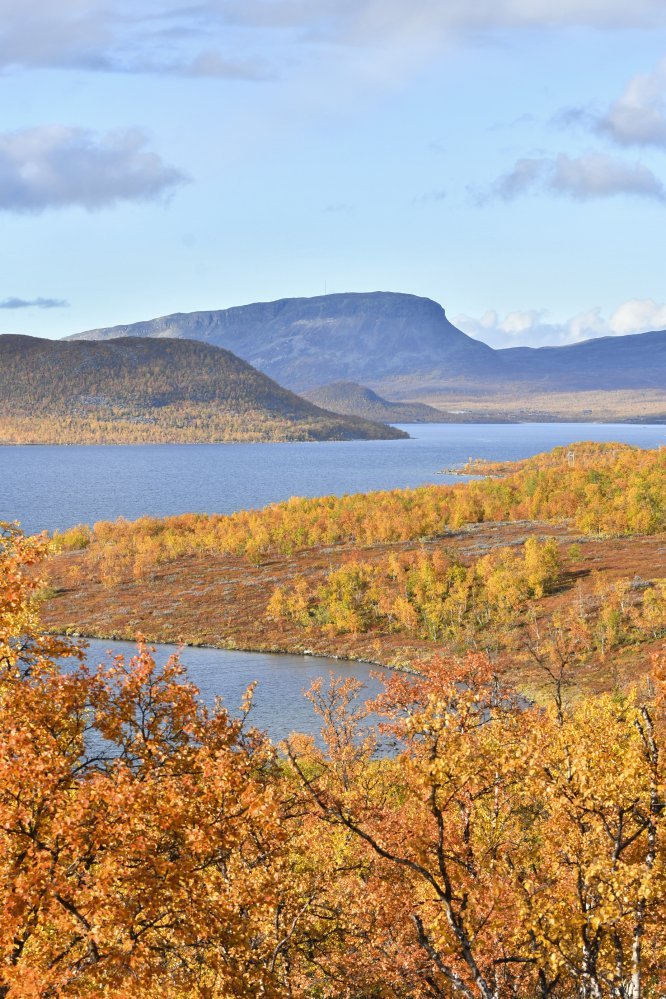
<point x="134" y="390"/>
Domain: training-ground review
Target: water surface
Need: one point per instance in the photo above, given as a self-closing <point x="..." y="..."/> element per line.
<point x="279" y="704"/>
<point x="50" y="486"/>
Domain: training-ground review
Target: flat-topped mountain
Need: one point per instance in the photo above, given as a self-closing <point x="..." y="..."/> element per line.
<point x="306" y="342"/>
<point x="402" y="345"/>
<point x="133" y="390"/>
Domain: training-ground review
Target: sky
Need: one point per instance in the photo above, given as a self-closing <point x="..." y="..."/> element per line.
<point x="506" y="158"/>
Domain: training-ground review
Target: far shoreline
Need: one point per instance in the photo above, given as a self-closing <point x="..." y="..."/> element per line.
<point x="490" y="421"/>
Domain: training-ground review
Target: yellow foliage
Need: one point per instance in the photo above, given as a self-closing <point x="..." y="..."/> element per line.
<point x="619" y="490"/>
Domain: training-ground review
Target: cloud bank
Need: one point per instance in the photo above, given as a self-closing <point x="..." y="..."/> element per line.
<point x="33" y="303"/>
<point x="121" y="36"/>
<point x="636" y="118"/>
<point x="531" y="328"/>
<point x="60" y="167"/>
<point x="206" y="38"/>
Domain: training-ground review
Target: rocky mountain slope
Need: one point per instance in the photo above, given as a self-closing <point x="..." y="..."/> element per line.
<point x="401" y="345"/>
<point x="306" y="342"/>
<point x="134" y="389"/>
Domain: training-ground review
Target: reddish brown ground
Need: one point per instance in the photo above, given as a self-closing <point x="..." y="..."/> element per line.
<point x="221" y="600"/>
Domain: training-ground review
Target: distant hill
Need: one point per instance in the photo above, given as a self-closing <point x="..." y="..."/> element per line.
<point x="133" y="390"/>
<point x="402" y="345"/>
<point x="609" y="362"/>
<point x="357" y="400"/>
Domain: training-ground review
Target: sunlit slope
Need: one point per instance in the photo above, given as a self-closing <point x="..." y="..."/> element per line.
<point x="403" y="345"/>
<point x="135" y="390"/>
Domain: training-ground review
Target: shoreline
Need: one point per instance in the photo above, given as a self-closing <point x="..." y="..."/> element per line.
<point x="491" y="419"/>
<point x="220" y="647"/>
<point x="220" y="602"/>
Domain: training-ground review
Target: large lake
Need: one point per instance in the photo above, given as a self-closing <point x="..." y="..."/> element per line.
<point x="49" y="487"/>
<point x="55" y="487"/>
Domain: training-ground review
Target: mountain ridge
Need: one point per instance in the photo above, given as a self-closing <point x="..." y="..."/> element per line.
<point x="600" y="349"/>
<point x="401" y="343"/>
<point x="300" y="341"/>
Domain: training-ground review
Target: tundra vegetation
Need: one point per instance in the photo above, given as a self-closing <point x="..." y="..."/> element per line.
<point x="150" y="846"/>
<point x="549" y="552"/>
<point x="610" y="489"/>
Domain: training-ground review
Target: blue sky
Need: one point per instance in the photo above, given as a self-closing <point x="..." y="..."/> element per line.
<point x="504" y="157"/>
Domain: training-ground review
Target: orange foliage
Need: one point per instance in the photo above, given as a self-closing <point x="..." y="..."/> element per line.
<point x="491" y="849"/>
<point x="504" y="851"/>
<point x="141" y="842"/>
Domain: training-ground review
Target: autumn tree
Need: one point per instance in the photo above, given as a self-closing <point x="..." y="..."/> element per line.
<point x="504" y="850"/>
<point x="143" y="839"/>
<point x="448" y="839"/>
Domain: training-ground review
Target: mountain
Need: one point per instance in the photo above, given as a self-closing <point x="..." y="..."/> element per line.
<point x="306" y="342"/>
<point x="357" y="400"/>
<point x="402" y="345"/>
<point x="133" y="390"/>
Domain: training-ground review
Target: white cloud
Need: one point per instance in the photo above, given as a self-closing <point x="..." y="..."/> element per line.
<point x="524" y="176"/>
<point x="57" y="167"/>
<point x="638" y="117"/>
<point x="531" y="328"/>
<point x="145" y="36"/>
<point x="370" y="19"/>
<point x="596" y="175"/>
<point x="593" y="175"/>
<point x="638" y="314"/>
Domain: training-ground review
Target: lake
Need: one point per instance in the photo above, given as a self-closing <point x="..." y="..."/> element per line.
<point x="279" y="706"/>
<point x="50" y="487"/>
